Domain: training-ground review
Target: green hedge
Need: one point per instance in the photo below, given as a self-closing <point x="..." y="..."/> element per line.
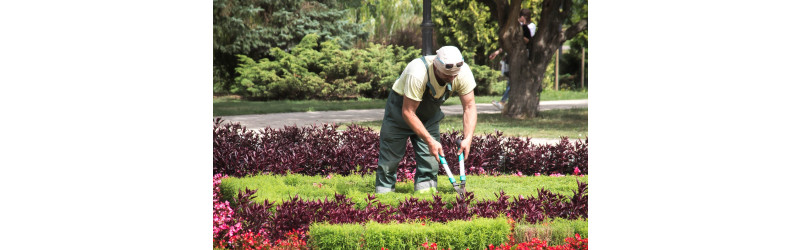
<point x="476" y="234"/>
<point x="337" y="236"/>
<point x="323" y="70"/>
<point x="554" y="232"/>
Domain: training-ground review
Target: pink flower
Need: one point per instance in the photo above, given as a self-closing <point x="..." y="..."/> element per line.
<point x="576" y="171"/>
<point x="537" y="174"/>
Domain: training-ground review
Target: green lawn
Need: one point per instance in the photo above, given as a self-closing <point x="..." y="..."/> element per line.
<point x="229" y="105"/>
<point x="550" y="124"/>
<point x="279" y="188"/>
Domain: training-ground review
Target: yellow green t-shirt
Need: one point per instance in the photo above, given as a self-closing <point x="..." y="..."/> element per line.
<point x="412" y="84"/>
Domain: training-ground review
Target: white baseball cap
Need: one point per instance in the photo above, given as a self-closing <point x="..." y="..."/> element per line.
<point x="449" y="56"/>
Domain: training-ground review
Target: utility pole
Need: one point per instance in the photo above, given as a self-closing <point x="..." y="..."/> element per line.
<point x="582" y="67"/>
<point x="428" y="28"/>
<point x="556" y="69"/>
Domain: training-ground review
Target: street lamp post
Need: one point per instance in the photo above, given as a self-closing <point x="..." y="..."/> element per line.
<point x="428" y="28"/>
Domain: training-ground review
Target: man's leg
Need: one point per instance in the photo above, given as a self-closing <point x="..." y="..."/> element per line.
<point x="392" y="147"/>
<point x="425" y="178"/>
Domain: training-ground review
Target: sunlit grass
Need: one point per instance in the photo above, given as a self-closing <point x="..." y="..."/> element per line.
<point x="280" y="188"/>
<point x="550" y="124"/>
<point x="233" y="105"/>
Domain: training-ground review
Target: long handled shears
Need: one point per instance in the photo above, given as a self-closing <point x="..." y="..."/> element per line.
<point x="459" y="187"/>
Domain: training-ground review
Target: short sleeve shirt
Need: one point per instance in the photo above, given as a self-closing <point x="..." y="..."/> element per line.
<point x="412" y="83"/>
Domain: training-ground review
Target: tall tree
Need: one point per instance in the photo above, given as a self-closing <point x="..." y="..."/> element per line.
<point x="527" y="70"/>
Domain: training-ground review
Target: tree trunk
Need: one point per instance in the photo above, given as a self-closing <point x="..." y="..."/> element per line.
<point x="527" y="70"/>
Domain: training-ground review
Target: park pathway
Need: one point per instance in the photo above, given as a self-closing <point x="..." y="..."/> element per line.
<point x="278" y="120"/>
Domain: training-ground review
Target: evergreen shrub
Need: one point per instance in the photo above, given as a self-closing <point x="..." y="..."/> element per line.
<point x="321" y="70"/>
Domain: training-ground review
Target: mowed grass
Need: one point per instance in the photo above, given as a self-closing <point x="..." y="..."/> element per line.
<point x="572" y="123"/>
<point x="225" y="106"/>
<point x="232" y="105"/>
<point x="277" y="188"/>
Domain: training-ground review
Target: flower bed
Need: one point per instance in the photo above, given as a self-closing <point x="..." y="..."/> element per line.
<point x="274" y="222"/>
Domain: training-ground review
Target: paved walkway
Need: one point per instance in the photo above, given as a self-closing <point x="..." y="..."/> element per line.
<point x="278" y="120"/>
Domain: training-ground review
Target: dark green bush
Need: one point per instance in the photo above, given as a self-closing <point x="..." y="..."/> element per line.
<point x="314" y="70"/>
<point x="323" y="70"/>
<point x="487" y="77"/>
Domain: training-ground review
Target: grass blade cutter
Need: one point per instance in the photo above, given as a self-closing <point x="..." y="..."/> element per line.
<point x="459" y="187"/>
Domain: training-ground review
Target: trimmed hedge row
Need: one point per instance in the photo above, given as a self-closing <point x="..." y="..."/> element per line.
<point x="320" y="150"/>
<point x="459" y="234"/>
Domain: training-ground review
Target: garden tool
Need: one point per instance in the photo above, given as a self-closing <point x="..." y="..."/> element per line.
<point x="461" y="170"/>
<point x="459" y="187"/>
<point x="450" y="175"/>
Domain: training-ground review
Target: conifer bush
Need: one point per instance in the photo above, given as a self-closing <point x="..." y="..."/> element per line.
<point x="321" y="70"/>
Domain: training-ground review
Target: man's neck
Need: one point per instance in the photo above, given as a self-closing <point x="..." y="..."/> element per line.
<point x="439" y="80"/>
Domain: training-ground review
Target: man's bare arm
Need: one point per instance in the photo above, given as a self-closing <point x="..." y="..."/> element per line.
<point x="468" y="122"/>
<point x="409" y="108"/>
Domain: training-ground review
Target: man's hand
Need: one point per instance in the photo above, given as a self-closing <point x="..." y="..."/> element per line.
<point x="436" y="149"/>
<point x="469" y="122"/>
<point x="494" y="54"/>
<point x="465" y="147"/>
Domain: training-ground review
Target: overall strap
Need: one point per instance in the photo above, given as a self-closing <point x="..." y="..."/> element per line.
<point x="428" y="80"/>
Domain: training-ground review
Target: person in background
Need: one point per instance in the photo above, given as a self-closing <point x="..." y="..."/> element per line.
<point x="413" y="111"/>
<point x="528" y="29"/>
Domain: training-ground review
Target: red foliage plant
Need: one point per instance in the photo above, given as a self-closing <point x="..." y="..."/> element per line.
<point x="322" y="150"/>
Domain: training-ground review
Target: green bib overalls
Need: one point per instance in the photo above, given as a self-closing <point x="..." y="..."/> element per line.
<point x="395" y="132"/>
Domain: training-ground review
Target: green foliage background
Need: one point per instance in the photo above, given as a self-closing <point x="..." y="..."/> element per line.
<point x="324" y="70"/>
<point x="374" y="37"/>
<point x="254" y="27"/>
<point x="321" y="70"/>
<point x="394" y="22"/>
